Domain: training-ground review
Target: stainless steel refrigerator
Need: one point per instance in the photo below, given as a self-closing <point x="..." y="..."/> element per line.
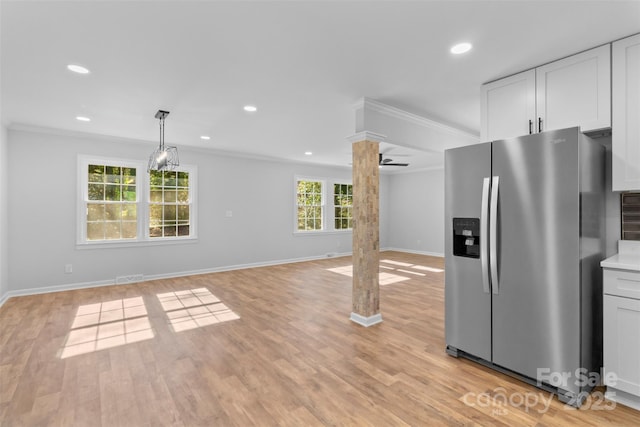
<point x="524" y="236"/>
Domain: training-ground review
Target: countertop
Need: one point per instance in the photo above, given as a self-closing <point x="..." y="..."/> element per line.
<point x="627" y="258"/>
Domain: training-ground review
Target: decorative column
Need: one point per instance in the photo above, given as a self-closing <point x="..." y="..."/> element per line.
<point x="366" y="228"/>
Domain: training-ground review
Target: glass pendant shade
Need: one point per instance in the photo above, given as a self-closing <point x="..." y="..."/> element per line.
<point x="163" y="158"/>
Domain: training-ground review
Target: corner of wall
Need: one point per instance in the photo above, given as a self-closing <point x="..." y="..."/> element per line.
<point x="4" y="176"/>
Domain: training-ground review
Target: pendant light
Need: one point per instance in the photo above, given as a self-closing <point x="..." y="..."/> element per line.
<point x="163" y="158"/>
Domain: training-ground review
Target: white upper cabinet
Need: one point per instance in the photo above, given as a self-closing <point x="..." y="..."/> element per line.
<point x="508" y="106"/>
<point x="625" y="137"/>
<point x="574" y="91"/>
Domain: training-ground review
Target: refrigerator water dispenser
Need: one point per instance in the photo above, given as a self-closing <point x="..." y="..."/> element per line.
<point x="466" y="237"/>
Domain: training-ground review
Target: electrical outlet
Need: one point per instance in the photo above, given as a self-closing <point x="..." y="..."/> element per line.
<point x="68" y="268"/>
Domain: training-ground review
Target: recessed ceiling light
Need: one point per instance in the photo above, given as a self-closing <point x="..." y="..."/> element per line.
<point x="250" y="108"/>
<point x="205" y="137"/>
<point x="78" y="69"/>
<point x="308" y="153"/>
<point x="83" y="119"/>
<point x="461" y="48"/>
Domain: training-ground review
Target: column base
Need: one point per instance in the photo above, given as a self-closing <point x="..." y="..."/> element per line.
<point x="366" y="321"/>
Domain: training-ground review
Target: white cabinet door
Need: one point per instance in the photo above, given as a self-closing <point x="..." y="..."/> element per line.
<point x="622" y="343"/>
<point x="575" y="91"/>
<point x="508" y="107"/>
<point x="626" y="114"/>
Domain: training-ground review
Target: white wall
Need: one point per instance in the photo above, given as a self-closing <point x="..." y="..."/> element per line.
<point x="4" y="175"/>
<point x="385" y="214"/>
<point x="416" y="212"/>
<point x="42" y="215"/>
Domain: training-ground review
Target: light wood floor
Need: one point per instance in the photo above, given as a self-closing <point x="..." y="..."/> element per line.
<point x="263" y="346"/>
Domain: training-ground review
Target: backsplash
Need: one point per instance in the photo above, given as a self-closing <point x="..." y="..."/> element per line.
<point x="630" y="213"/>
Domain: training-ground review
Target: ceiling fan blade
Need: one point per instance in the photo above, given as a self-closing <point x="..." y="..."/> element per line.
<point x="389" y="162"/>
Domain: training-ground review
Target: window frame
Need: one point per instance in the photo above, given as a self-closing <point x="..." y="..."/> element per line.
<point x="142" y="202"/>
<point x="328" y="209"/>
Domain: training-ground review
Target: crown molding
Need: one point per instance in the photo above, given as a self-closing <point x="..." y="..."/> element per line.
<point x="366" y="136"/>
<point x="25" y="127"/>
<point x="22" y="127"/>
<point x="397" y="113"/>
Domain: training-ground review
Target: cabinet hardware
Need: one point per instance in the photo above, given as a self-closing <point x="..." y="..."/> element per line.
<point x="539" y="124"/>
<point x="530" y="126"/>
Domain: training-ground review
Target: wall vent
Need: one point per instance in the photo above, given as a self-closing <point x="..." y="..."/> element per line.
<point x="131" y="278"/>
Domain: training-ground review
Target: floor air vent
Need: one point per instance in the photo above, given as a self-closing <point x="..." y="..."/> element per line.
<point x="132" y="278"/>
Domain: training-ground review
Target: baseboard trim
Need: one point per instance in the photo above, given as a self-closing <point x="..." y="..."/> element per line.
<point x="110" y="282"/>
<point x="622" y="397"/>
<point x="412" y="251"/>
<point x="366" y="321"/>
<point x="56" y="288"/>
<point x="242" y="266"/>
<point x="4" y="298"/>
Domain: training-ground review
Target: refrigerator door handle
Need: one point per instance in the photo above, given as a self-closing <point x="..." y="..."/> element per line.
<point x="493" y="234"/>
<point x="484" y="235"/>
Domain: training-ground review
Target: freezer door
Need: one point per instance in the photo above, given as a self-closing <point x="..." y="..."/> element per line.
<point x="536" y="309"/>
<point x="467" y="295"/>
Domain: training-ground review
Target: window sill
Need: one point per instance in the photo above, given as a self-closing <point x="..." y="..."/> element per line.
<point x="135" y="243"/>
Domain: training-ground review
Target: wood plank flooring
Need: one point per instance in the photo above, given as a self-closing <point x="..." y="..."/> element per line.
<point x="270" y="346"/>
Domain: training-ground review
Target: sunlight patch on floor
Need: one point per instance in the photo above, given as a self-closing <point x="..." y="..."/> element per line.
<point x="408" y="266"/>
<point x="346" y="270"/>
<point x="398" y="263"/>
<point x="425" y="268"/>
<point x="106" y="325"/>
<point x="386" y="277"/>
<point x="194" y="308"/>
<point x="390" y="278"/>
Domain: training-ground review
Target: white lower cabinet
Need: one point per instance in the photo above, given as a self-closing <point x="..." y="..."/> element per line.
<point x="622" y="337"/>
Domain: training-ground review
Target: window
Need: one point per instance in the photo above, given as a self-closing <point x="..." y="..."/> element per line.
<point x="343" y="206"/>
<point x="310" y="205"/>
<point x="112" y="204"/>
<point x="310" y="212"/>
<point x="121" y="202"/>
<point x="169" y="204"/>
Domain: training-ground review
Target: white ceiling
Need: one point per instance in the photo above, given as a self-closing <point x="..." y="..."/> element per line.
<point x="304" y="64"/>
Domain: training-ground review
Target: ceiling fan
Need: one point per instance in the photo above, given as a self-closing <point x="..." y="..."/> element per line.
<point x="389" y="162"/>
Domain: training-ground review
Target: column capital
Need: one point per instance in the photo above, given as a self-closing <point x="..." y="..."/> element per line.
<point x="365" y="135"/>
